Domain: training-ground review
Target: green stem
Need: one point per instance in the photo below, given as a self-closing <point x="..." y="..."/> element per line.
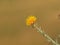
<point x="46" y="36"/>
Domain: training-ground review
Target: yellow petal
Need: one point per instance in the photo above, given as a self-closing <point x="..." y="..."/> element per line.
<point x="30" y="20"/>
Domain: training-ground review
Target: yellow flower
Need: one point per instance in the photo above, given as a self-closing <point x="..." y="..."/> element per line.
<point x="30" y="20"/>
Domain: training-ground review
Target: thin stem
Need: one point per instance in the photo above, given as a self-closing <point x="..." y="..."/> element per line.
<point x="45" y="35"/>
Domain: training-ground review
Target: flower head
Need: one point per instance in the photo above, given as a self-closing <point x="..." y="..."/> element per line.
<point x="30" y="20"/>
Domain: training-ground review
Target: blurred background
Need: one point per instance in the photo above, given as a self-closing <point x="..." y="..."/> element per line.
<point x="13" y="30"/>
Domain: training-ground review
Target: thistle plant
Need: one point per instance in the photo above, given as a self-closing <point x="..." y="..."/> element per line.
<point x="30" y="21"/>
